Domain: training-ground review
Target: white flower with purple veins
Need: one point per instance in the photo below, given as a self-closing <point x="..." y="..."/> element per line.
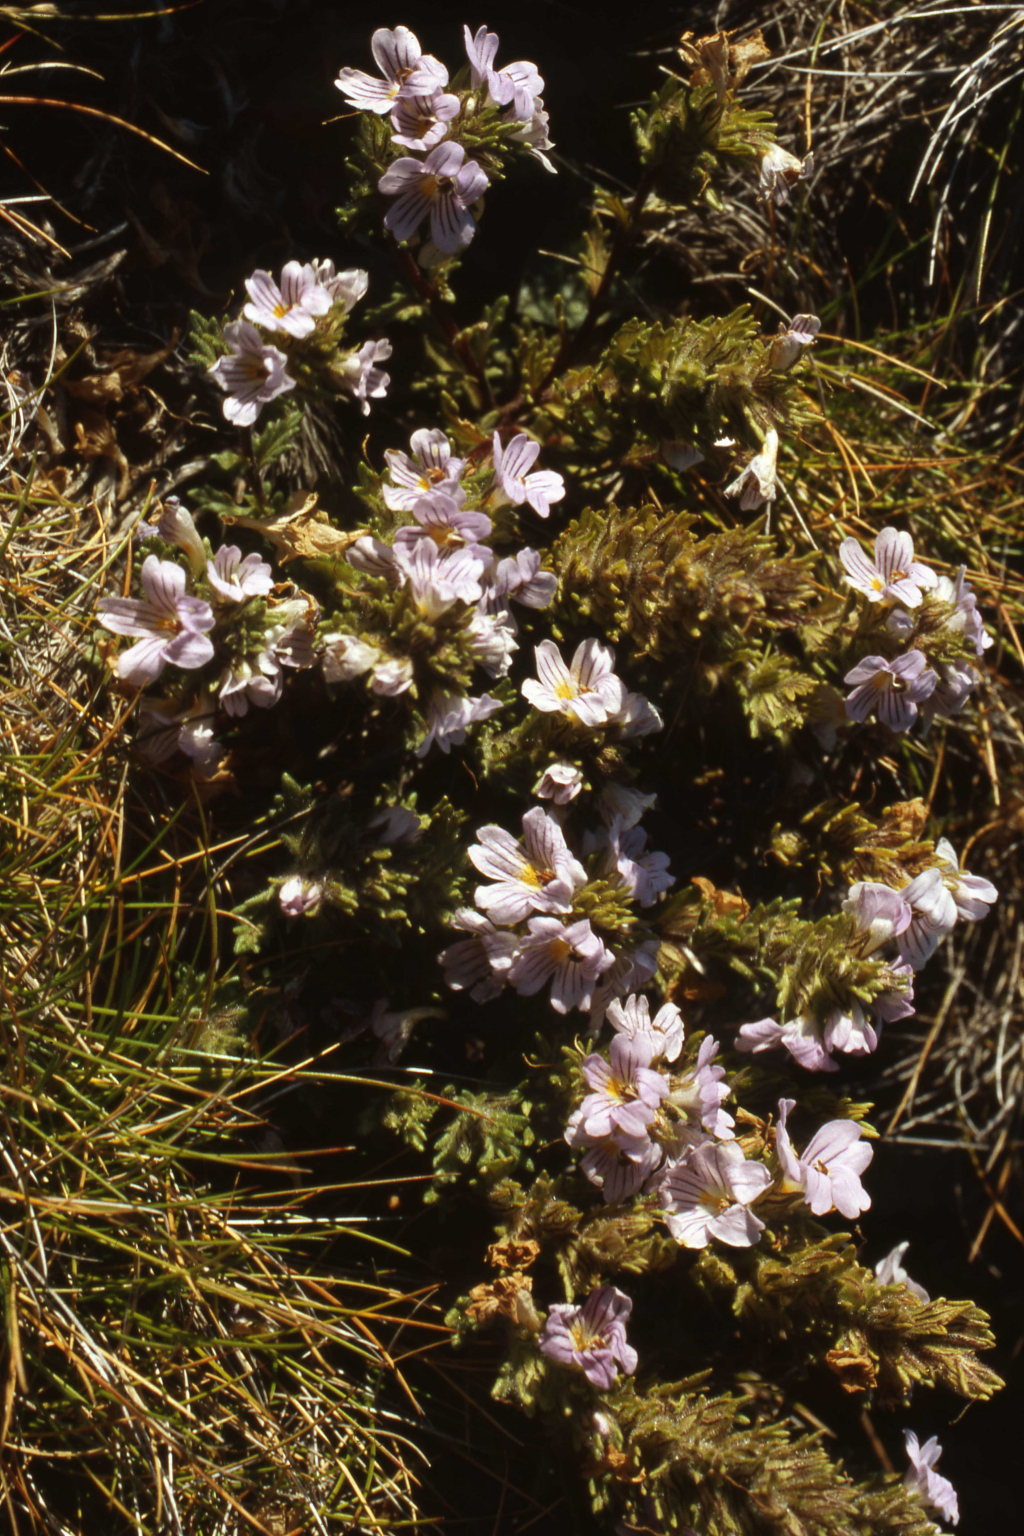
<point x="758" y="483"/>
<point x="892" y="688"/>
<point x="346" y="657"/>
<point x="515" y="479"/>
<point x="645" y="875"/>
<point x="789" y="345"/>
<point x="438" y="517"/>
<point x="934" y="915"/>
<point x="781" y="171"/>
<point x="420" y="122"/>
<point x="518" y="85"/>
<point x="392" y="676"/>
<point x="492" y="640"/>
<point x="344" y="288"/>
<point x="299" y="896"/>
<point x="376" y="559"/>
<point x="235" y="578"/>
<point x="479" y="964"/>
<point x="572" y="958"/>
<point x="560" y="783"/>
<point x="163" y="730"/>
<point x="890" y="1271"/>
<point x="287" y="642"/>
<point x="587" y="688"/>
<point x="698" y="1095"/>
<point x="592" y="1337"/>
<point x="449" y="717"/>
<point x="440" y="187"/>
<point x="436" y="582"/>
<point x="252" y="374"/>
<point x="292" y="307"/>
<point x="637" y="717"/>
<point x="432" y="467"/>
<point x="537" y="875"/>
<point x="829" y="1170"/>
<point x="626" y="1091"/>
<point x="534" y="135"/>
<point x="879" y="912"/>
<point x="633" y="1017"/>
<point x="894" y="575"/>
<point x="965" y="618"/>
<point x="359" y="374"/>
<point x="802" y="1037"/>
<point x="176" y="527"/>
<point x="406" y="71"/>
<point x="973" y="894"/>
<point x="957" y="681"/>
<point x="520" y="578"/>
<point x="629" y="805"/>
<point x="167" y="625"/>
<point x="618" y="1164"/>
<point x="936" y="1491"/>
<point x="708" y="1194"/>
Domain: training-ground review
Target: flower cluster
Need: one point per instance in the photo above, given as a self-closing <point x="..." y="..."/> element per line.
<point x="447" y="586"/>
<point x="230" y="618"/>
<point x="305" y="314"/>
<point x="900" y="687"/>
<point x="540" y="889"/>
<point x="441" y="188"/>
<point x="911" y="921"/>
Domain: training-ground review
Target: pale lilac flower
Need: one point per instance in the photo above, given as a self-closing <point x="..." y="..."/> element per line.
<point x="359" y="374"/>
<point x="236" y="579"/>
<point x="780" y="171"/>
<point x="441" y="187"/>
<point x="438" y="517"/>
<point x="894" y="575"/>
<point x="631" y="970"/>
<point x="637" y="717"/>
<point x="935" y="915"/>
<point x="406" y="71"/>
<point x="618" y="800"/>
<point x="801" y="1037"/>
<point x="492" y="641"/>
<point x="397" y="824"/>
<point x="789" y="345"/>
<point x="177" y="527"/>
<point x="167" y="625"/>
<point x="587" y="688"/>
<point x="346" y="657"/>
<point x="344" y="288"/>
<point x="626" y="1091"/>
<point x="299" y="896"/>
<point x="758" y="483"/>
<point x="592" y="1337"/>
<point x="293" y="307"/>
<point x="436" y="582"/>
<point x="534" y="135"/>
<point x="479" y="964"/>
<point x="572" y="958"/>
<point x="829" y="1170"/>
<point x="965" y="617"/>
<point x="450" y="716"/>
<point x="368" y="554"/>
<point x="893" y="688"/>
<point x="253" y="373"/>
<point x="259" y="679"/>
<point x="520" y="578"/>
<point x="537" y="875"/>
<point x="392" y="676"/>
<point x="517" y="481"/>
<point x="633" y="1017"/>
<point x="645" y="875"/>
<point x="420" y="122"/>
<point x="619" y="1165"/>
<point x="708" y="1194"/>
<point x="879" y="912"/>
<point x="973" y="894"/>
<point x="849" y="1030"/>
<point x="957" y="681"/>
<point x="518" y="85"/>
<point x="936" y="1491"/>
<point x="163" y="730"/>
<point x="890" y="1271"/>
<point x="560" y="783"/>
<point x="431" y="467"/>
<point x="697" y="1096"/>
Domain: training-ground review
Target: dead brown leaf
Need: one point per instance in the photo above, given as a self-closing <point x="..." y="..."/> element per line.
<point x="301" y="532"/>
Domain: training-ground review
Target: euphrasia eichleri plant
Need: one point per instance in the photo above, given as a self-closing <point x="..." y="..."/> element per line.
<point x="504" y="609"/>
